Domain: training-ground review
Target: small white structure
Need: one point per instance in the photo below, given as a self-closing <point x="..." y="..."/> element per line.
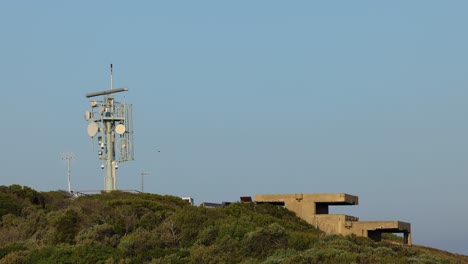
<point x="188" y="200"/>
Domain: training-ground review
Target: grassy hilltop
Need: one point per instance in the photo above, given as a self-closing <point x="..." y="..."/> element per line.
<point x="117" y="227"/>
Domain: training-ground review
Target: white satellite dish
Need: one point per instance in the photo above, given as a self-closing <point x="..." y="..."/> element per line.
<point x="92" y="129"/>
<point x="120" y="129"/>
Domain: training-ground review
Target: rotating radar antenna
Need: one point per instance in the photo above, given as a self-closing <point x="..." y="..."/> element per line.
<point x="112" y="123"/>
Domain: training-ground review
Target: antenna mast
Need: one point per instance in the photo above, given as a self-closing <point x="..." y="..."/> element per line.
<point x="114" y="121"/>
<point x="68" y="157"/>
<point x="111" y="79"/>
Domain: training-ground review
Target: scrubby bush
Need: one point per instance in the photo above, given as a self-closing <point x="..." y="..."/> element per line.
<point x="17" y="257"/>
<point x="265" y="240"/>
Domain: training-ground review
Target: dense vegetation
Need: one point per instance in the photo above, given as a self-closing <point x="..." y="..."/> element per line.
<point x="117" y="227"/>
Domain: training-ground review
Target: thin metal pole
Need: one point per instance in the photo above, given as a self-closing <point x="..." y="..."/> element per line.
<point x="111" y="183"/>
<point x="111" y="79"/>
<point x="109" y="145"/>
<point x="143" y="181"/>
<point x="69" y="187"/>
<point x="68" y="157"/>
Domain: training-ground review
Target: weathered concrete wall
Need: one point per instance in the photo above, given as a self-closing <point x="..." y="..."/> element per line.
<point x="304" y="205"/>
<point x="332" y="224"/>
<point x="375" y="229"/>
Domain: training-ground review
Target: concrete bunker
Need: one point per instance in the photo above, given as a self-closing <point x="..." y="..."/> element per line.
<point x="314" y="209"/>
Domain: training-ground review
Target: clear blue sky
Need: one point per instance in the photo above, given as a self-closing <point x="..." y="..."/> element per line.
<point x="245" y="97"/>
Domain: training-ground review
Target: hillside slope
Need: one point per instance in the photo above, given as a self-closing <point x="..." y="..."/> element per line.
<point x="117" y="227"/>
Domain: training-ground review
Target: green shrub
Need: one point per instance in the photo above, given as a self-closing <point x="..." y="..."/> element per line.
<point x="103" y="234"/>
<point x="207" y="236"/>
<point x="138" y="245"/>
<point x="280" y="256"/>
<point x="17" y="257"/>
<point x="9" y="205"/>
<point x="302" y="240"/>
<point x="11" y="248"/>
<point x="265" y="240"/>
<point x="66" y="226"/>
